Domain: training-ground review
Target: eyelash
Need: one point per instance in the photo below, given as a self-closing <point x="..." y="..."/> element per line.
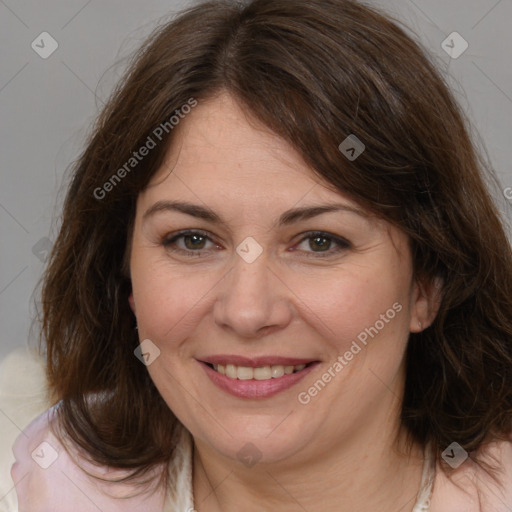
<point x="341" y="243"/>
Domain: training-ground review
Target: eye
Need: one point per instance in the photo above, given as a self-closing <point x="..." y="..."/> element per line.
<point x="189" y="242"/>
<point x="321" y="244"/>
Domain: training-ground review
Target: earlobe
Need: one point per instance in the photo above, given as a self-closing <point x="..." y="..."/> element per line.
<point x="132" y="302"/>
<point x="426" y="300"/>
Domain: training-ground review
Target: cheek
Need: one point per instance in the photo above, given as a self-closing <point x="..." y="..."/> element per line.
<point x="348" y="304"/>
<point x="168" y="301"/>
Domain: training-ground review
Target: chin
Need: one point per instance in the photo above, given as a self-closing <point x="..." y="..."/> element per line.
<point x="268" y="441"/>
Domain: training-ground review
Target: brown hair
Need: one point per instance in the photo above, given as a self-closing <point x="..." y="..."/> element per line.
<point x="314" y="72"/>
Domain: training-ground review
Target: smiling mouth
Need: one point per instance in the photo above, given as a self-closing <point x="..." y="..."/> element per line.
<point x="236" y="372"/>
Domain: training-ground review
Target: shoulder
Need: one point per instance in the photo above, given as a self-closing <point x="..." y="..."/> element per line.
<point x="51" y="477"/>
<point x="469" y="488"/>
<point x="23" y="397"/>
<point x="46" y="475"/>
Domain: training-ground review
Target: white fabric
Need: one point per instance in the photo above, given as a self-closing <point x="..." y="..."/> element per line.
<point x="427" y="482"/>
<point x="23" y="397"/>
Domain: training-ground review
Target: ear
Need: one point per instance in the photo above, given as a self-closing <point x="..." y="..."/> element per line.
<point x="425" y="302"/>
<point x="132" y="302"/>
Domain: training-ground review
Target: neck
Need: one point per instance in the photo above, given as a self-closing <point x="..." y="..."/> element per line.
<point x="370" y="471"/>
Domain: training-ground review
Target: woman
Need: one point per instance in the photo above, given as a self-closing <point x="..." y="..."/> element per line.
<point x="280" y="282"/>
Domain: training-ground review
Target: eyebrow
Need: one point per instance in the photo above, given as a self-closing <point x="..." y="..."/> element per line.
<point x="287" y="218"/>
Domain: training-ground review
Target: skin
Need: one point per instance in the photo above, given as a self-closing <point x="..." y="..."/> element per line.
<point x="344" y="450"/>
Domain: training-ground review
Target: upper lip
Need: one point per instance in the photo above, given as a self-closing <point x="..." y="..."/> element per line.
<point x="255" y="362"/>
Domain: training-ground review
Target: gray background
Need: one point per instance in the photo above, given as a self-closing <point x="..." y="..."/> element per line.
<point x="47" y="106"/>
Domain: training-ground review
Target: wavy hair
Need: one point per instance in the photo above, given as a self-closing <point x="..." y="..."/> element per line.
<point x="314" y="72"/>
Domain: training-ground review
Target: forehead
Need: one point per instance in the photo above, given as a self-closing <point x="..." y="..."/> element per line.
<point x="224" y="160"/>
<point x="220" y="147"/>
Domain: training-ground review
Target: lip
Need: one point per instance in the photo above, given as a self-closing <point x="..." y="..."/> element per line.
<point x="258" y="389"/>
<point x="254" y="362"/>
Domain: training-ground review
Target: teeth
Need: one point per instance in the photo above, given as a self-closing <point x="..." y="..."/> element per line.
<point x="262" y="373"/>
<point x="230" y="371"/>
<point x="244" y="373"/>
<point x="277" y="371"/>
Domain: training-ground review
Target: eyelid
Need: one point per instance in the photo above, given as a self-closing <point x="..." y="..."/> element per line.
<point x="172" y="236"/>
<point x="342" y="243"/>
<point x="169" y="239"/>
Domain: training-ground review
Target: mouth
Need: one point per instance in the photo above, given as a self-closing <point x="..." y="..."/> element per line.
<point x="255" y="378"/>
<point x="267" y="372"/>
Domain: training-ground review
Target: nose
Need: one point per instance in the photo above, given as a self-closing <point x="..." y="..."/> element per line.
<point x="252" y="301"/>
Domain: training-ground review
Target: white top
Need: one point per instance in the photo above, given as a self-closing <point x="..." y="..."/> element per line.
<point x="62" y="486"/>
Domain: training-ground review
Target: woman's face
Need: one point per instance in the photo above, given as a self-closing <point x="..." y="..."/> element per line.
<point x="275" y="271"/>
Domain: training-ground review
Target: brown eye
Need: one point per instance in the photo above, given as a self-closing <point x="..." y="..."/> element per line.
<point x="192" y="242"/>
<point x="189" y="243"/>
<point x="320" y="243"/>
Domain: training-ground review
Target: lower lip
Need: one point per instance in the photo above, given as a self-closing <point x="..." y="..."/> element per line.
<point x="256" y="388"/>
